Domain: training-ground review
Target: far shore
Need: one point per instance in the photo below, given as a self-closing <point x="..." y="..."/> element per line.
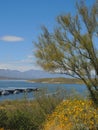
<point x="57" y="80"/>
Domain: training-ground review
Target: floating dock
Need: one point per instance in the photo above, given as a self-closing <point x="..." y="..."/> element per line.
<point x="16" y="90"/>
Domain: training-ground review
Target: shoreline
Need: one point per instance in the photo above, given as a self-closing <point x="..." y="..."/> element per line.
<point x="56" y="81"/>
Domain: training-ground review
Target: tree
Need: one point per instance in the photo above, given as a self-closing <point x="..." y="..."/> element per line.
<point x="71" y="48"/>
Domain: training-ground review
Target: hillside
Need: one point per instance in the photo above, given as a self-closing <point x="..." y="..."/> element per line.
<point x="57" y="80"/>
<point x="27" y="75"/>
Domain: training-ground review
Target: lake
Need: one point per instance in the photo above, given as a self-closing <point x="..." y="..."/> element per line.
<point x="10" y="84"/>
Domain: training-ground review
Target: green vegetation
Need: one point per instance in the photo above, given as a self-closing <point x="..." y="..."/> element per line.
<point x="28" y="114"/>
<point x="71" y="49"/>
<point x="58" y="111"/>
<point x="57" y="80"/>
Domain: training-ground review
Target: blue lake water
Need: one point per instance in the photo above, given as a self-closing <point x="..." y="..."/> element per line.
<point x="10" y="84"/>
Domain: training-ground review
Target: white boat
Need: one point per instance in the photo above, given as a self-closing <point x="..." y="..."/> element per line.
<point x="16" y="92"/>
<point x="4" y="92"/>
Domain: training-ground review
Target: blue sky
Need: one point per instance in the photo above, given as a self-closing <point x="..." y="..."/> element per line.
<point x="20" y="24"/>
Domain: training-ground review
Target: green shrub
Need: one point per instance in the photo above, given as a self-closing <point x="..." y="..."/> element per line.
<point x="48" y="102"/>
<point x="29" y="115"/>
<point x="20" y="120"/>
<point x="3" y="118"/>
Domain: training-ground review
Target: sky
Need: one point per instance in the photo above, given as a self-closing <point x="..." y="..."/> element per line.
<point x="20" y="26"/>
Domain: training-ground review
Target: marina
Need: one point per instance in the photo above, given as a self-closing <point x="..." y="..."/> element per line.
<point x="16" y="90"/>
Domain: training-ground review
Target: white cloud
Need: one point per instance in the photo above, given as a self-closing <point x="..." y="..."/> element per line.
<point x="11" y="38"/>
<point x="19" y="67"/>
<point x="22" y="65"/>
<point x="28" y="59"/>
<point x="28" y="63"/>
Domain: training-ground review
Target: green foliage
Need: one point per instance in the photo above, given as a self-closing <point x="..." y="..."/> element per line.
<point x="3" y="118"/>
<point x="20" y="120"/>
<point x="71" y="49"/>
<point x="29" y="115"/>
<point x="48" y="102"/>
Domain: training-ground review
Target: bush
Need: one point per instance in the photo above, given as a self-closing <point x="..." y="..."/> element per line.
<point x="29" y="115"/>
<point x="73" y="115"/>
<point x="48" y="102"/>
<point x="20" y="120"/>
<point x="3" y="118"/>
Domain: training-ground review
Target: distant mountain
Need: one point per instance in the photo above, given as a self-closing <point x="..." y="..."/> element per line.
<point x="30" y="74"/>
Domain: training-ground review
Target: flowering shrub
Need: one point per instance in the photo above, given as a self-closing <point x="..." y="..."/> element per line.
<point x="73" y="115"/>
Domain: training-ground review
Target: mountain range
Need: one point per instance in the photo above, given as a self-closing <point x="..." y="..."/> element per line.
<point x="30" y="74"/>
